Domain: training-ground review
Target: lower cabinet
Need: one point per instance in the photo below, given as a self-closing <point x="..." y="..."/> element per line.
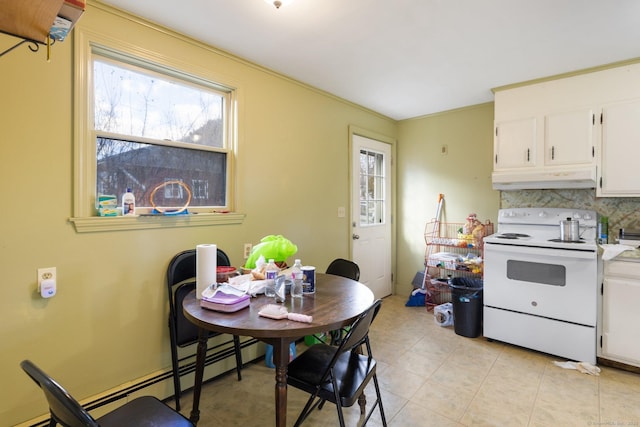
<point x="620" y="327"/>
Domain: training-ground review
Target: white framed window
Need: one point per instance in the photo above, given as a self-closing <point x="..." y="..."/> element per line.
<point x="143" y="121"/>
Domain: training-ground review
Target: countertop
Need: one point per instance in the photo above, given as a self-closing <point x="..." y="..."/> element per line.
<point x="631" y="256"/>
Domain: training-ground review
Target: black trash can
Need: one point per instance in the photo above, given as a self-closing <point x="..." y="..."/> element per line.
<point x="466" y="294"/>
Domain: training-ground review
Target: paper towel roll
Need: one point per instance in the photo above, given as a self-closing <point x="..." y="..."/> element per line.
<point x="206" y="267"/>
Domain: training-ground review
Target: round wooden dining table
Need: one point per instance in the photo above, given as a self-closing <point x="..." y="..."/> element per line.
<point x="335" y="304"/>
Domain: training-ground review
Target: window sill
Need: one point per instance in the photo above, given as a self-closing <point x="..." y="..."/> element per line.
<point x="96" y="224"/>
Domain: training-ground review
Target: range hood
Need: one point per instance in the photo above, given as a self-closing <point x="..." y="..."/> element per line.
<point x="541" y="178"/>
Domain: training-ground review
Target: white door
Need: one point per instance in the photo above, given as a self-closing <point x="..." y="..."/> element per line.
<point x="371" y="213"/>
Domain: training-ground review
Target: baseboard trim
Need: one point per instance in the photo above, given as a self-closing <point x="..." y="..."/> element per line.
<point x="123" y="392"/>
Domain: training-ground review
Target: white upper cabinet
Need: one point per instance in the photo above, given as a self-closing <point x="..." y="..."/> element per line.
<point x="620" y="150"/>
<point x="515" y="144"/>
<point x="574" y="132"/>
<point x="568" y="138"/>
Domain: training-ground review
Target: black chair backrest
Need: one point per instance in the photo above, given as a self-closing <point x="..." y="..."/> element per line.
<point x="344" y="268"/>
<point x="183" y="265"/>
<point x="359" y="331"/>
<point x="182" y="268"/>
<point x="63" y="407"/>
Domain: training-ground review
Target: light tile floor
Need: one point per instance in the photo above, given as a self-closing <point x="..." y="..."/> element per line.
<point x="430" y="376"/>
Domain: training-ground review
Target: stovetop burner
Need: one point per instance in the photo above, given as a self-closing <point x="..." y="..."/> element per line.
<point x="511" y="235"/>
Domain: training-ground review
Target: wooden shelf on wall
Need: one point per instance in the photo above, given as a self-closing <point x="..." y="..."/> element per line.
<point x="30" y="19"/>
<point x="39" y="21"/>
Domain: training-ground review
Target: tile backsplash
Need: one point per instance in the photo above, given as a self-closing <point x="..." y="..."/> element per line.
<point x="623" y="212"/>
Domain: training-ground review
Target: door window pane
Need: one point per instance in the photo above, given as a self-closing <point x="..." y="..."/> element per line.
<point x="372" y="184"/>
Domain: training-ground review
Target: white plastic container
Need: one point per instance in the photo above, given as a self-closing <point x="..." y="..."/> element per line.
<point x="128" y="203"/>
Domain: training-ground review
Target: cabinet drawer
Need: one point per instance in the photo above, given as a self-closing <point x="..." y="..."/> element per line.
<point x="629" y="269"/>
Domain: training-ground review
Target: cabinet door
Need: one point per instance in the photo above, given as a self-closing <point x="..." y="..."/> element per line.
<point x="568" y="138"/>
<point x="620" y="150"/>
<point x="620" y="332"/>
<point x="515" y="143"/>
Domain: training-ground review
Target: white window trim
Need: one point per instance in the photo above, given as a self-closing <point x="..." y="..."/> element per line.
<point x="84" y="180"/>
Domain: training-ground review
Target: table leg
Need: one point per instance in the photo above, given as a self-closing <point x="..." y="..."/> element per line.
<point x="281" y="360"/>
<point x="201" y="354"/>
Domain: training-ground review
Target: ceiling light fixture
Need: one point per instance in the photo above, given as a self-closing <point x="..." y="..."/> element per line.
<point x="278" y="3"/>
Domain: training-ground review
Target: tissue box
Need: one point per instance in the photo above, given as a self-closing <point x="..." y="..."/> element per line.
<point x="107" y="205"/>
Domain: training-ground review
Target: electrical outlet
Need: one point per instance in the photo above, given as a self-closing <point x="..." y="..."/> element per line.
<point x="47" y="282"/>
<point x="247" y="250"/>
<point x="46" y="274"/>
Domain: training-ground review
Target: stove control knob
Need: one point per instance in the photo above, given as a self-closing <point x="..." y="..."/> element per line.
<point x="542" y="214"/>
<point x="587" y="217"/>
<point x="576" y="215"/>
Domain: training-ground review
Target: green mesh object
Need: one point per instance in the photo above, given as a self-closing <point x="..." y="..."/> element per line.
<point x="273" y="247"/>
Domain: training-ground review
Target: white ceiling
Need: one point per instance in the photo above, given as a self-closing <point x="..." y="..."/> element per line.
<point x="408" y="58"/>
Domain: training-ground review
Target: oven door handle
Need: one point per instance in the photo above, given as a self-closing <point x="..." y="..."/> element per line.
<point x="529" y="250"/>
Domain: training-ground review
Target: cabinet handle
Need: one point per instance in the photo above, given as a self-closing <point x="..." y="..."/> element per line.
<point x="528" y="154"/>
<point x="553" y="153"/>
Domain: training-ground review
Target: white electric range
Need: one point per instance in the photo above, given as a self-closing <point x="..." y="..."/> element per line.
<point x="541" y="292"/>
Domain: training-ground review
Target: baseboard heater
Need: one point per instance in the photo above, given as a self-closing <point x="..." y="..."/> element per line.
<point x="212" y="357"/>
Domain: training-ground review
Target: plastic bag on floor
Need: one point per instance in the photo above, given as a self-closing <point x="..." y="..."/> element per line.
<point x="584" y="367"/>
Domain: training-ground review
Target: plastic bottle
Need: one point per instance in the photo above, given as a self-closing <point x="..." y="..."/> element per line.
<point x="128" y="203"/>
<point x="603" y="230"/>
<point x="268" y="357"/>
<point x="271" y="270"/>
<point x="296" y="276"/>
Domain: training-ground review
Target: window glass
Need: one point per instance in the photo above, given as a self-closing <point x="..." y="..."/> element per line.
<point x="372" y="184"/>
<point x="131" y="101"/>
<point x="157" y="127"/>
<point x="144" y="167"/>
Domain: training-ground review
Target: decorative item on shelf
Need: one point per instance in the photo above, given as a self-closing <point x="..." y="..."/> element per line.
<point x="166" y="210"/>
<point x="69" y="14"/>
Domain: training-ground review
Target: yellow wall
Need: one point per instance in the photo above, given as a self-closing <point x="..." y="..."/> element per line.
<point x="107" y="324"/>
<point x="463" y="175"/>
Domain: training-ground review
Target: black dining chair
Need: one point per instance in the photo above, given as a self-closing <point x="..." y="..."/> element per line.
<point x="338" y="374"/>
<point x="350" y="270"/>
<point x="66" y="411"/>
<point x="345" y="268"/>
<point x="180" y="282"/>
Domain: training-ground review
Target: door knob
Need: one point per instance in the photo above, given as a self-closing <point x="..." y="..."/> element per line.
<point x="355" y="237"/>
